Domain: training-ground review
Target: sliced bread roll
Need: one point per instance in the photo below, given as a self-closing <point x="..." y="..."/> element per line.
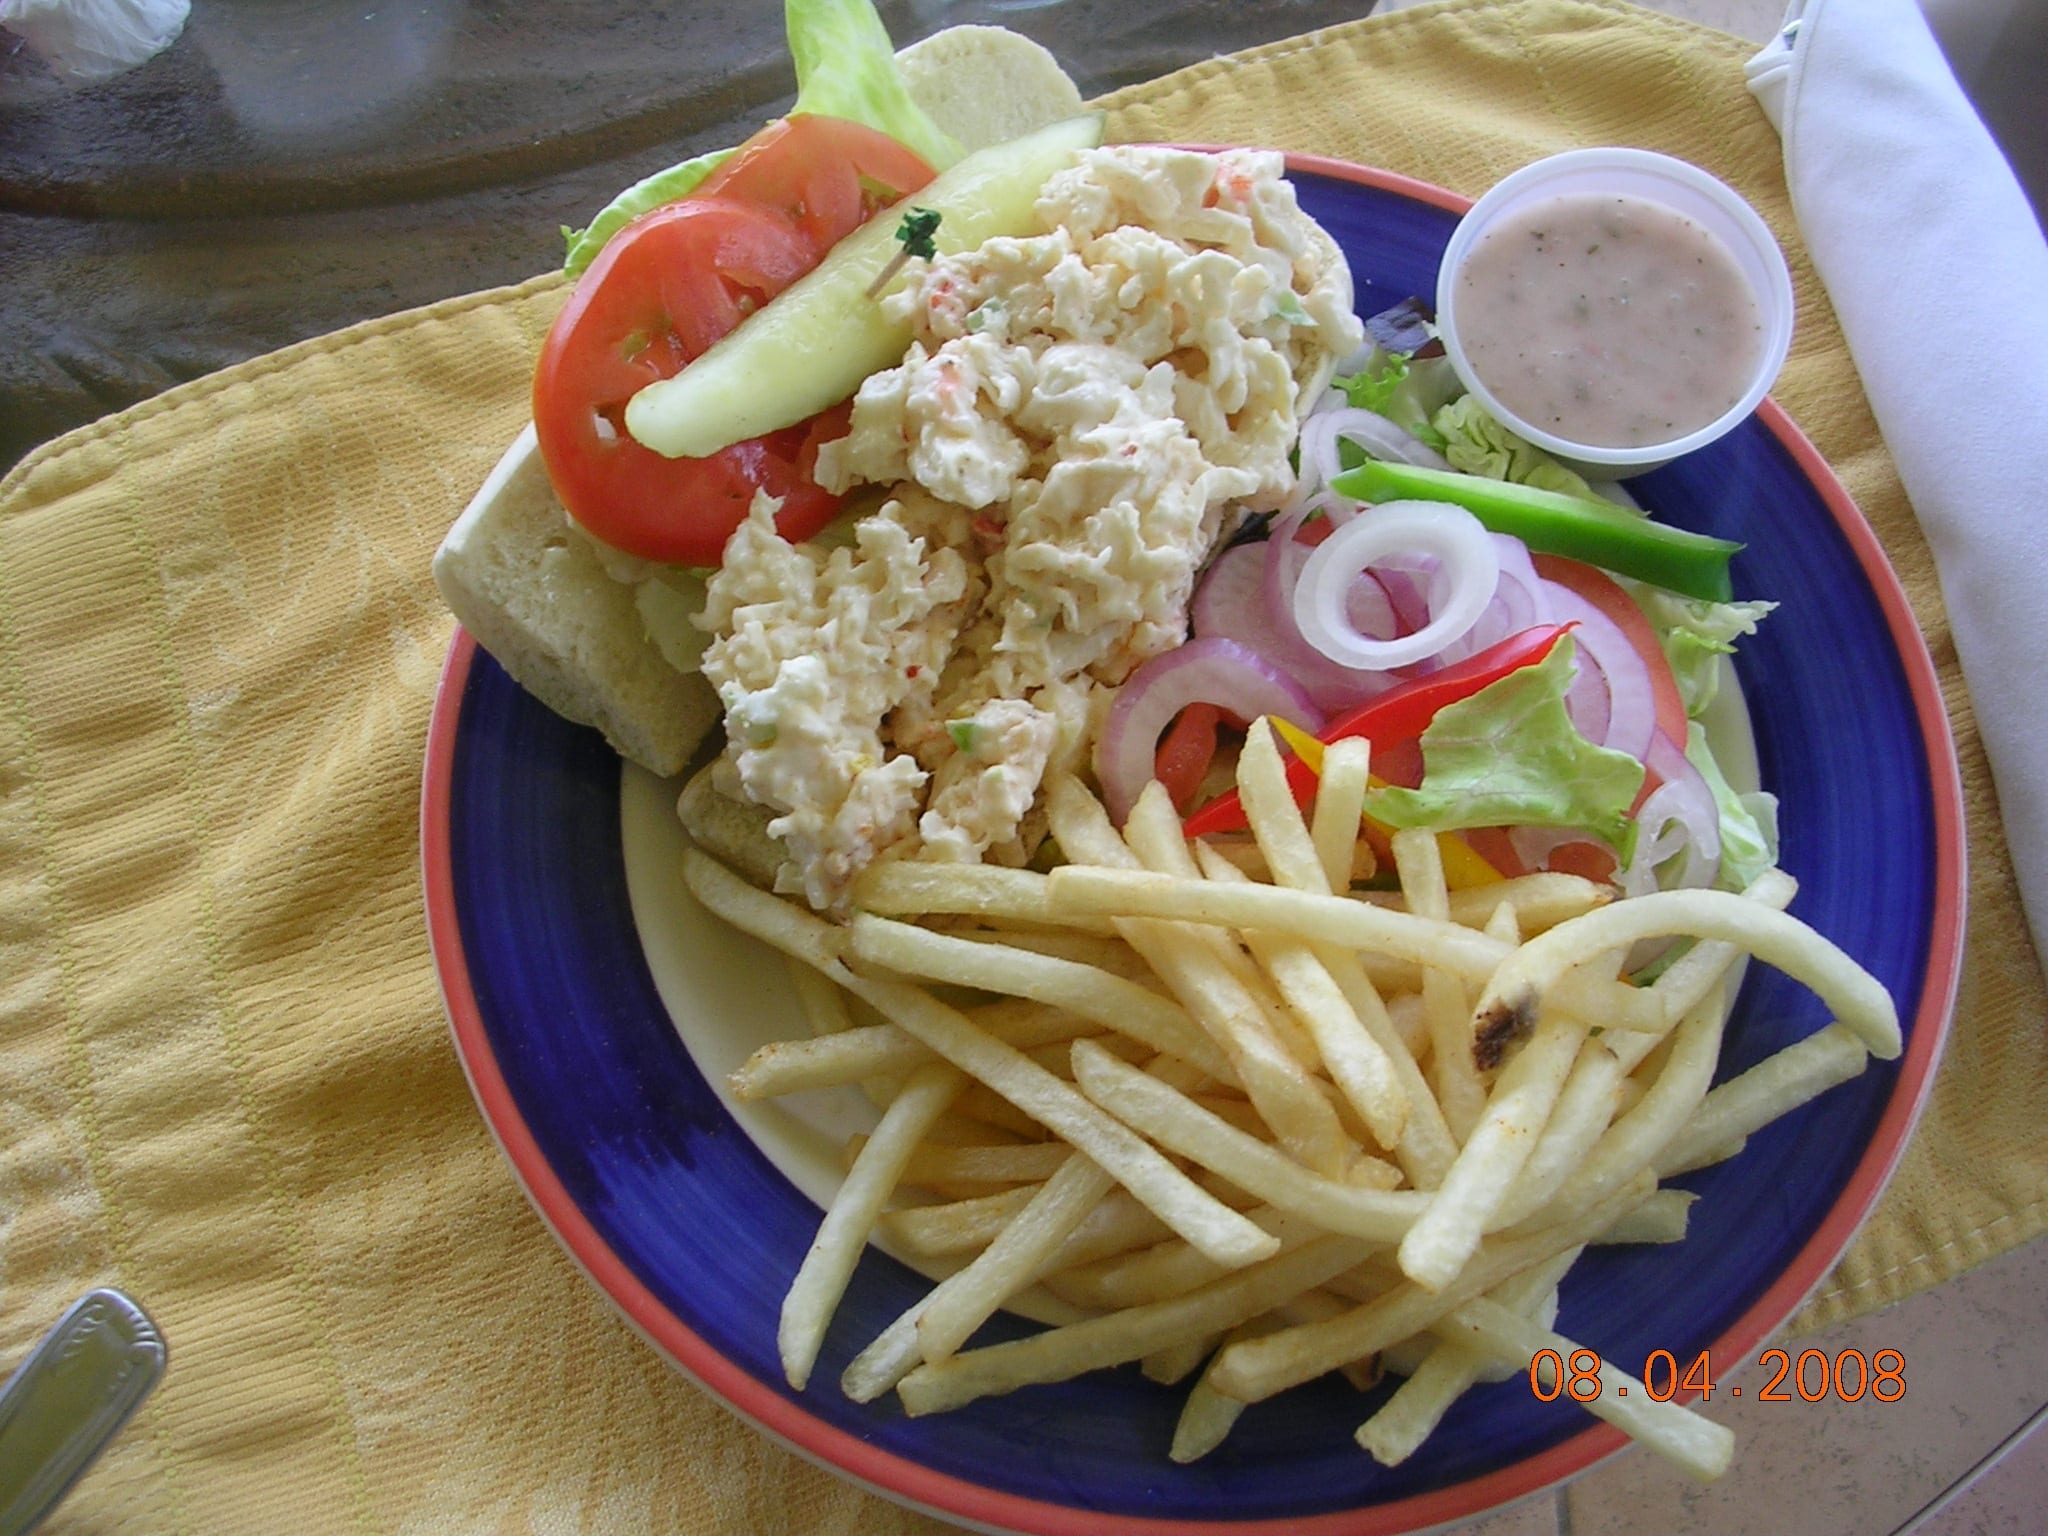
<point x="534" y="592"/>
<point x="984" y="85"/>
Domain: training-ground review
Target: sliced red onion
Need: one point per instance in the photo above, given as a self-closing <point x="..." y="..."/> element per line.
<point x="1323" y="429"/>
<point x="1518" y="602"/>
<point x="1332" y="684"/>
<point x="1231" y="604"/>
<point x="1679" y="817"/>
<point x="1212" y="670"/>
<point x="1631" y="705"/>
<point x="1459" y="589"/>
<point x="1587" y="703"/>
<point x="1407" y="584"/>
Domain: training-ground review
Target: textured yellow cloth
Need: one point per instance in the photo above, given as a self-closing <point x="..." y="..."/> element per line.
<point x="225" y="1080"/>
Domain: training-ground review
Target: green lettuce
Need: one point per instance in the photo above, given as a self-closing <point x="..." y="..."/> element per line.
<point x="1510" y="756"/>
<point x="1474" y="440"/>
<point x="1749" y="823"/>
<point x="845" y="67"/>
<point x="1695" y="635"/>
<point x="651" y="192"/>
<point x="1405" y="391"/>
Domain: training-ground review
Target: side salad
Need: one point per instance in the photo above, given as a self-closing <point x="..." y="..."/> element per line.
<point x="1531" y="656"/>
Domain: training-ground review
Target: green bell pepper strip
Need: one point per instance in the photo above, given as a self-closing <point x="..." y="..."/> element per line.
<point x="1597" y="532"/>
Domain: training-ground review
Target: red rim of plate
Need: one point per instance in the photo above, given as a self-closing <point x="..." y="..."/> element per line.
<point x="907" y="1481"/>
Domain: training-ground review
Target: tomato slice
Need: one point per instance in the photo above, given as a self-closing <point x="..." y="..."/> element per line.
<point x="666" y="287"/>
<point x="1185" y="753"/>
<point x="826" y="175"/>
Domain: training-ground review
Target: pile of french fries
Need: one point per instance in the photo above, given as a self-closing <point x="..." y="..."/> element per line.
<point x="1206" y="1108"/>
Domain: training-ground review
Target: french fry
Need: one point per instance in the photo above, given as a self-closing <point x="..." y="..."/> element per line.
<point x="1324" y="919"/>
<point x="1099" y="950"/>
<point x="1256" y="1369"/>
<point x="1178" y="1201"/>
<point x="823" y="1003"/>
<point x="1273" y="1073"/>
<point x="1706" y="963"/>
<point x="1178" y="1124"/>
<point x="1662" y="1218"/>
<point x="953" y="1226"/>
<point x="1449" y="1369"/>
<point x="1855" y="997"/>
<point x="1189" y="963"/>
<point x="1688" y="1440"/>
<point x="911" y="888"/>
<point x="1446" y="1235"/>
<point x="883" y="1050"/>
<point x="1418" y="858"/>
<point x="1357" y="1062"/>
<point x="1343" y="921"/>
<point x="1177" y="1362"/>
<point x="1339" y="807"/>
<point x="943" y="1320"/>
<point x="1168" y="1269"/>
<point x="1059" y="1354"/>
<point x="1634" y="1140"/>
<point x="1778" y="1083"/>
<point x="821" y="1280"/>
<point x="1092" y="994"/>
<point x="932" y="1165"/>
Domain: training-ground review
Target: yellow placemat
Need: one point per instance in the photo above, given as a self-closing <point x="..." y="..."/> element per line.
<point x="225" y="1080"/>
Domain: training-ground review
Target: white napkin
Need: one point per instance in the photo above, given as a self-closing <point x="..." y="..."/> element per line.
<point x="1939" y="276"/>
<point x="87" y="41"/>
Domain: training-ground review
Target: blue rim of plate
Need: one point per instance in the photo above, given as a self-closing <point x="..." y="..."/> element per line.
<point x="643" y="1174"/>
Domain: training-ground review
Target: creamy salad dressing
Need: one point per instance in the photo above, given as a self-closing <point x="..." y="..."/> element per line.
<point x="1608" y="320"/>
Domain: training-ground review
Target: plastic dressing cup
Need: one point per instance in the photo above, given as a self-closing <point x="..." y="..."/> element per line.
<point x="1643" y="176"/>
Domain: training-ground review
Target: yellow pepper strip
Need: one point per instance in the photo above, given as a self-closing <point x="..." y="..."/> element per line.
<point x="1464" y="869"/>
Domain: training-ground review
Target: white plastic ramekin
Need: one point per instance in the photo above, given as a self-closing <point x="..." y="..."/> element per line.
<point x="1678" y="185"/>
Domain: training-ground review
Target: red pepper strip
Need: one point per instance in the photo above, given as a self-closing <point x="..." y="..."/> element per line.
<point x="1396" y="716"/>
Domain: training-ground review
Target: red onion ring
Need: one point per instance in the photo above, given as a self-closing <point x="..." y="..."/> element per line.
<point x="1631" y="705"/>
<point x="1679" y="816"/>
<point x="1212" y="670"/>
<point x="1518" y="602"/>
<point x="1459" y="590"/>
<point x="1324" y="428"/>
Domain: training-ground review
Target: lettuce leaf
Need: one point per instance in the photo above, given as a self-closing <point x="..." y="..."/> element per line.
<point x="1402" y="389"/>
<point x="845" y="67"/>
<point x="650" y="192"/>
<point x="1696" y="635"/>
<point x="1510" y="756"/>
<point x="1749" y="823"/>
<point x="1476" y="442"/>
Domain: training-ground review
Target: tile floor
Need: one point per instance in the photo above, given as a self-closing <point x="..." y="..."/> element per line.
<point x="1965" y="1451"/>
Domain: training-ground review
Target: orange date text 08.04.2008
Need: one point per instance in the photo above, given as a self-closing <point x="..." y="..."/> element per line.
<point x="1810" y="1376"/>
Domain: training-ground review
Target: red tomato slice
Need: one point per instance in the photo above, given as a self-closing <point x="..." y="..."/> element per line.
<point x="826" y="175"/>
<point x="666" y="287"/>
<point x="1607" y="595"/>
<point x="1185" y="753"/>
